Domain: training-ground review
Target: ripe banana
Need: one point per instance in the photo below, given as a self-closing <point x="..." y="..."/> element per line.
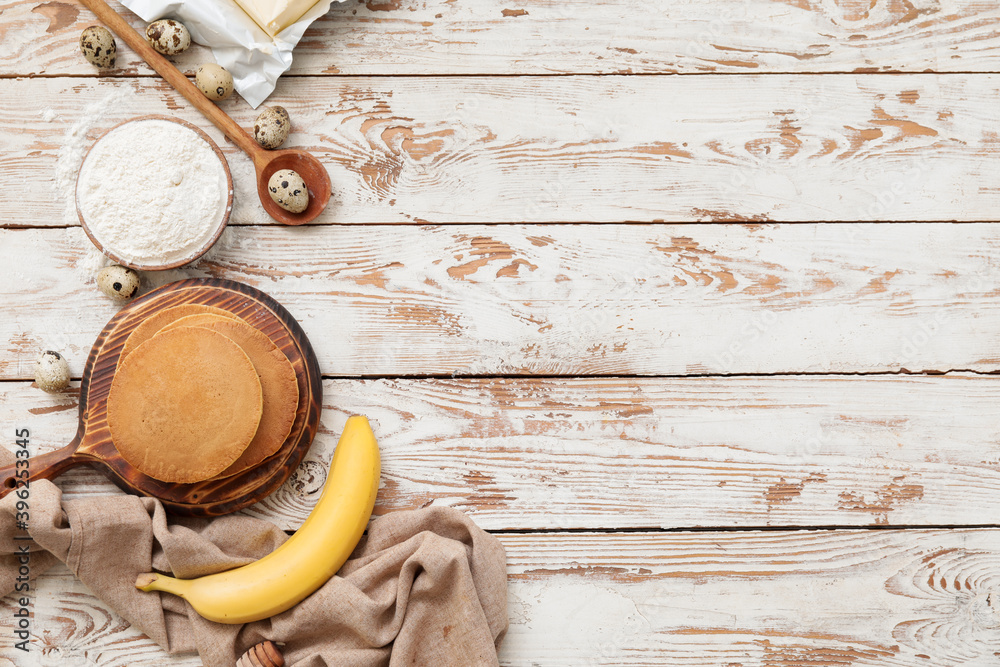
<point x="308" y="559"/>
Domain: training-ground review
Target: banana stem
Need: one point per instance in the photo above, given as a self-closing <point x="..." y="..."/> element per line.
<point x="151" y="581"/>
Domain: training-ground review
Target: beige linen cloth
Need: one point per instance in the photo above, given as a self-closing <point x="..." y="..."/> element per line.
<point x="425" y="587"/>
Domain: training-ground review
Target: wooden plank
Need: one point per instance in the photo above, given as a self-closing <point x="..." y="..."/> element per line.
<point x="566" y="299"/>
<point x="859" y="598"/>
<point x="71" y="626"/>
<point x="632" y="453"/>
<point x="558" y="37"/>
<point x="565" y="149"/>
<point x="839" y="598"/>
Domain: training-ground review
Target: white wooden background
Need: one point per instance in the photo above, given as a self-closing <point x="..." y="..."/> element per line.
<point x="694" y="304"/>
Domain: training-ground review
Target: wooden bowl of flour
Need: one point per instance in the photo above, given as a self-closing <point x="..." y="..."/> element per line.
<point x="154" y="193"/>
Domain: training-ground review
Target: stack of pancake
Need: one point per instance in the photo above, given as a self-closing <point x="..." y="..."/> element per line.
<point x="200" y="394"/>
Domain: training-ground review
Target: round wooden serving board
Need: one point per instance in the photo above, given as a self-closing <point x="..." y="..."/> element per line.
<point x="92" y="443"/>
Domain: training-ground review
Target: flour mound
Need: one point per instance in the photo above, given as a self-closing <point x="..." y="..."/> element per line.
<point x="152" y="192"/>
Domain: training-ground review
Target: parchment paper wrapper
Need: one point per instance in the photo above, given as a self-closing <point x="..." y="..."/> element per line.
<point x="253" y="58"/>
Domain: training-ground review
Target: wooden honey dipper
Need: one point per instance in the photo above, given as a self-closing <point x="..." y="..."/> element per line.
<point x="264" y="654"/>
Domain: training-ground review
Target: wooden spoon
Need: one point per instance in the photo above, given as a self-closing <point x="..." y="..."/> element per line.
<point x="265" y="162"/>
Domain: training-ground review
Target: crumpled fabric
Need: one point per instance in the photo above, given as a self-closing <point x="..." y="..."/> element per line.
<point x="424" y="587"/>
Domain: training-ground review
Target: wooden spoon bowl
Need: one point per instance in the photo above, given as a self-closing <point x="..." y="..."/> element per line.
<point x="265" y="162"/>
<point x="305" y="165"/>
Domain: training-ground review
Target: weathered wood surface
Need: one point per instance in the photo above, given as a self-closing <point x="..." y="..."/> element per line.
<point x="609" y="452"/>
<point x="632" y="453"/>
<point x="829" y="598"/>
<point x="565" y="149"/>
<point x="566" y="299"/>
<point x="560" y="37"/>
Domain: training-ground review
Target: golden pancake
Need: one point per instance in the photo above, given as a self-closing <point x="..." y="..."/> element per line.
<point x="277" y="380"/>
<point x="148" y="327"/>
<point x="201" y="319"/>
<point x="184" y="405"/>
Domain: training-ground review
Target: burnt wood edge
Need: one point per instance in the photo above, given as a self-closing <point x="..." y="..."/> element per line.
<point x="312" y="402"/>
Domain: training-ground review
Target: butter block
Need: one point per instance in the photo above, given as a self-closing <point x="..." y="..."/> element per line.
<point x="273" y="16"/>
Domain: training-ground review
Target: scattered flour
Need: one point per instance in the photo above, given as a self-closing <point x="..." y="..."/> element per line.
<point x="198" y="269"/>
<point x="152" y="192"/>
<point x="247" y="209"/>
<point x="91" y="261"/>
<point x="96" y="117"/>
<point x="76" y="142"/>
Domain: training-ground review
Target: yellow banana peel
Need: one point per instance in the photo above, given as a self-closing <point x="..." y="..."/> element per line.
<point x="312" y="555"/>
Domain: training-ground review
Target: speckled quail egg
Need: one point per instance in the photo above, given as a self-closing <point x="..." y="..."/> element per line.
<point x="98" y="46"/>
<point x="168" y="37"/>
<point x="271" y="127"/>
<point x="288" y="190"/>
<point x="118" y="282"/>
<point x="51" y="372"/>
<point x="214" y="81"/>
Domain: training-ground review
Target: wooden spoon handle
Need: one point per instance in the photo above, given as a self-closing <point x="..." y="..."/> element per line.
<point x="43" y="466"/>
<point x="174" y="77"/>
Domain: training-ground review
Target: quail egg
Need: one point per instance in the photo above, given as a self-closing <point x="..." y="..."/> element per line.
<point x="51" y="372"/>
<point x="98" y="46"/>
<point x="214" y="81"/>
<point x="168" y="37"/>
<point x="118" y="282"/>
<point x="288" y="190"/>
<point x="271" y="127"/>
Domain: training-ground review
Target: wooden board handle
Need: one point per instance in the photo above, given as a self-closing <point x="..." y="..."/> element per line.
<point x="175" y="78"/>
<point x="43" y="466"/>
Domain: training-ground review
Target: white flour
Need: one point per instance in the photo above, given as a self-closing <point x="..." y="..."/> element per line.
<point x="246" y="204"/>
<point x="76" y="142"/>
<point x="152" y="192"/>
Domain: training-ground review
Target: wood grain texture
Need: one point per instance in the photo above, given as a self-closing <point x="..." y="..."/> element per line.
<point x="804" y="599"/>
<point x="774" y="599"/>
<point x="73" y="628"/>
<point x="772" y="145"/>
<point x="566" y="299"/>
<point x="631" y="453"/>
<point x="565" y="149"/>
<point x="573" y="37"/>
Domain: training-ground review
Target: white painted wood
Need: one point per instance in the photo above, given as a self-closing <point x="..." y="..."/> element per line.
<point x="859" y="598"/>
<point x="575" y="37"/>
<point x="755" y="599"/>
<point x="566" y="299"/>
<point x="566" y="149"/>
<point x="73" y="628"/>
<point x="632" y="453"/>
<point x="600" y="453"/>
